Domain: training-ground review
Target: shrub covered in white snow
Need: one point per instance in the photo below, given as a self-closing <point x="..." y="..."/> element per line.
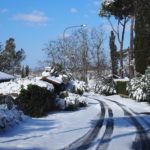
<point x="8" y="118"/>
<point x="35" y="101"/>
<point x="57" y="71"/>
<point x="139" y="87"/>
<point x="77" y="87"/>
<point x="105" y="87"/>
<point x="16" y="85"/>
<point x="71" y="102"/>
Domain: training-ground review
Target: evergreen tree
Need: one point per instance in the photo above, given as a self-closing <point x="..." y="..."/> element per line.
<point x="23" y="72"/>
<point x="120" y="9"/>
<point x="27" y="70"/>
<point x="113" y="54"/>
<point x="10" y="59"/>
<point x="142" y="35"/>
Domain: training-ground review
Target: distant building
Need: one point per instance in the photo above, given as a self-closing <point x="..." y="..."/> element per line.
<point x="4" y="77"/>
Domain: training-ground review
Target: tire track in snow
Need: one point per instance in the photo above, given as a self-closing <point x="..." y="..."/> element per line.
<point x="85" y="141"/>
<point x="142" y="142"/>
<point x="106" y="138"/>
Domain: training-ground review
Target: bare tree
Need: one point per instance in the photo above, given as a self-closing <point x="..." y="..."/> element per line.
<point x="79" y="52"/>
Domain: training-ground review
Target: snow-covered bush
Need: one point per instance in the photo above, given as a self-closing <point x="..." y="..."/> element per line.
<point x="71" y="102"/>
<point x="77" y="87"/>
<point x="105" y="87"/>
<point x="8" y="118"/>
<point x="14" y="87"/>
<point x="139" y="87"/>
<point x="57" y="70"/>
<point x="35" y="101"/>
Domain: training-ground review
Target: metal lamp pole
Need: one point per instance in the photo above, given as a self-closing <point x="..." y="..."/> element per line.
<point x="77" y="26"/>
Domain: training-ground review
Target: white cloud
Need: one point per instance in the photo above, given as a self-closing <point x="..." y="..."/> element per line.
<point x="5" y="10"/>
<point x="97" y="3"/>
<point x="35" y="16"/>
<point x="73" y="10"/>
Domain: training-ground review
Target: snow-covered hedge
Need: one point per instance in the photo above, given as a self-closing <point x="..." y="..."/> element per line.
<point x="16" y="85"/>
<point x="9" y="118"/>
<point x="36" y="101"/>
<point x="71" y="102"/>
<point x="121" y="85"/>
<point x="139" y="87"/>
<point x="105" y="87"/>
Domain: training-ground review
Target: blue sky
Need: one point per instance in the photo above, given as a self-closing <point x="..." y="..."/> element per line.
<point x="35" y="22"/>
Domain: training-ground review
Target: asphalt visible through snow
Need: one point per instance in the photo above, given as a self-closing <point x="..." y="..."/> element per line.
<point x="141" y="141"/>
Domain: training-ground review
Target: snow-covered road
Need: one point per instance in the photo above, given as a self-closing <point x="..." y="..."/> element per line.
<point x="111" y="123"/>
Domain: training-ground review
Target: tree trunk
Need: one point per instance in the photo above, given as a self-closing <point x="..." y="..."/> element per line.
<point x="131" y="54"/>
<point x="121" y="49"/>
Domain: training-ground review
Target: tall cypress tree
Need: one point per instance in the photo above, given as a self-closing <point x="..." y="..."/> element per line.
<point x="113" y="53"/>
<point x="142" y="35"/>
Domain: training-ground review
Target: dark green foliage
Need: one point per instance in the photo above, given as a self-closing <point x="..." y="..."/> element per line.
<point x="113" y="54"/>
<point x="23" y="72"/>
<point x="27" y="71"/>
<point x="121" y="87"/>
<point x="71" y="107"/>
<point x="10" y="59"/>
<point x="36" y="101"/>
<point x="118" y="8"/>
<point x="142" y="35"/>
<point x="82" y="104"/>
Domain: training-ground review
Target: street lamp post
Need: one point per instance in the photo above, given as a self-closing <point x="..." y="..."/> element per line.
<point x="77" y="26"/>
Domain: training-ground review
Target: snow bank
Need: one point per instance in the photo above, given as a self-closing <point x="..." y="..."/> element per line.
<point x="16" y="85"/>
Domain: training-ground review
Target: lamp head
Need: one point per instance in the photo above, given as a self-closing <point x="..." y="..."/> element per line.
<point x="83" y="25"/>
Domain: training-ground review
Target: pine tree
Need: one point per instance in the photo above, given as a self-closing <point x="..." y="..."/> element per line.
<point x="142" y="35"/>
<point x="10" y="59"/>
<point x="23" y="72"/>
<point x="113" y="54"/>
<point x="27" y="70"/>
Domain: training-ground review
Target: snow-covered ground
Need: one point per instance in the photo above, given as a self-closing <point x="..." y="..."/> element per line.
<point x="111" y="123"/>
<point x="55" y="131"/>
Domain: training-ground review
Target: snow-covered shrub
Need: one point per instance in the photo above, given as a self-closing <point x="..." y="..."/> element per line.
<point x="58" y="71"/>
<point x="139" y="87"/>
<point x="14" y="87"/>
<point x="8" y="118"/>
<point x="35" y="101"/>
<point x="71" y="102"/>
<point x="105" y="87"/>
<point x="77" y="87"/>
<point x="63" y="94"/>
